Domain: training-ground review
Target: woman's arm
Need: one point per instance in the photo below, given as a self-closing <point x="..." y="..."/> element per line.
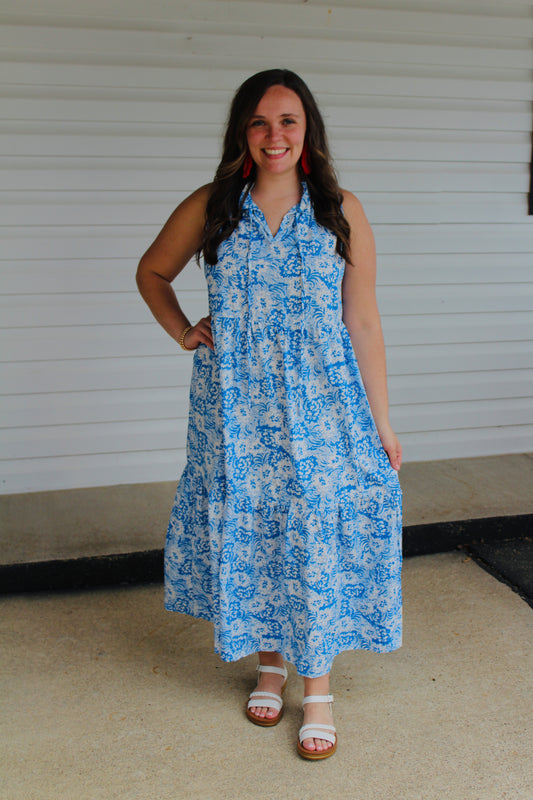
<point x="174" y="247"/>
<point x="361" y="317"/>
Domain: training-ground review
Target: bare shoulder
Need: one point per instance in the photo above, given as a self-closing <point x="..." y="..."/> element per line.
<point x="188" y="219"/>
<point x="201" y="195"/>
<point x="353" y="208"/>
<point x="362" y="244"/>
<point x="180" y="237"/>
<point x="195" y="204"/>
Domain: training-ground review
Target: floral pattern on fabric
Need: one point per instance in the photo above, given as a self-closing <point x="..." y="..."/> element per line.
<point x="286" y="527"/>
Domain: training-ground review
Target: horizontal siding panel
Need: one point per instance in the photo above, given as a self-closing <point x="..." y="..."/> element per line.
<point x="415" y="361"/>
<point x="130" y="241"/>
<point x="405" y="144"/>
<point x="166" y="174"/>
<point x="476" y="21"/>
<point x="349" y="78"/>
<point x="117" y="46"/>
<point x="442" y="299"/>
<point x="74" y="408"/>
<point x="166" y="434"/>
<point x="433" y="176"/>
<point x="432" y="114"/>
<point x="211" y="107"/>
<point x="130" y="209"/>
<point x="443" y="208"/>
<point x="71" y="141"/>
<point x="478" y="442"/>
<point x="450" y="328"/>
<point x="117" y="308"/>
<point x="463" y="415"/>
<point x="117" y="275"/>
<point x="96" y="140"/>
<point x="424" y="81"/>
<point x="102" y="469"/>
<point x="83" y="275"/>
<point x="413" y="77"/>
<point x="51" y="243"/>
<point x="174" y="370"/>
<point x="105" y="308"/>
<point x="106" y="437"/>
<point x="514" y="9"/>
<point x="460" y="357"/>
<point x="118" y="174"/>
<point x="89" y="341"/>
<point x="509" y="387"/>
<point x="414" y="239"/>
<point x="208" y="108"/>
<point x="478" y="17"/>
<point x="440" y="388"/>
<point x="135" y="372"/>
<point x="453" y="269"/>
<point x="134" y="340"/>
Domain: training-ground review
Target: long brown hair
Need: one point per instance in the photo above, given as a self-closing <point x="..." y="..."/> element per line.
<point x="223" y="211"/>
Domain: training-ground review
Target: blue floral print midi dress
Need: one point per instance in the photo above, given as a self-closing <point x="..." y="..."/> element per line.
<point x="286" y="527"/>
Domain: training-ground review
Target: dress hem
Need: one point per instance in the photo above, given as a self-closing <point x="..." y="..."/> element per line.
<point x="305" y="673"/>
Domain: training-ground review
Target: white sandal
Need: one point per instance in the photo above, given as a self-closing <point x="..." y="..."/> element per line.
<point x="317" y="731"/>
<point x="271" y="700"/>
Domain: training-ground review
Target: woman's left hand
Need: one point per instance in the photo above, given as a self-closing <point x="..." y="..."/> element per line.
<point x="391" y="445"/>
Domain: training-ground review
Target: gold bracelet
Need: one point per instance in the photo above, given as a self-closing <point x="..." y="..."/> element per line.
<point x="181" y="340"/>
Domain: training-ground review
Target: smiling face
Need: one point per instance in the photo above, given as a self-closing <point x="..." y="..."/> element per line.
<point x="276" y="131"/>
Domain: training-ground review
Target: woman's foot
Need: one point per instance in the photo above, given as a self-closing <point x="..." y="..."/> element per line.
<point x="317" y="714"/>
<point x="272" y="683"/>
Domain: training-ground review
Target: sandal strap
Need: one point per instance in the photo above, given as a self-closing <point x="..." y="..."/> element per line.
<point x="316" y="731"/>
<point x="318" y="698"/>
<point x="274" y="700"/>
<point x="273" y="670"/>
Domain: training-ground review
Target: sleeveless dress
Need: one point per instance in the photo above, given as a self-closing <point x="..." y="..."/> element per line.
<point x="286" y="526"/>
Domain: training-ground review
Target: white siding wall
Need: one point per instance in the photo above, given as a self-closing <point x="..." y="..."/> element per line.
<point x="112" y="112"/>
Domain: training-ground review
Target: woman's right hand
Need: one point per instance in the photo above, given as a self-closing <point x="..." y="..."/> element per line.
<point x="199" y="334"/>
<point x="391" y="445"/>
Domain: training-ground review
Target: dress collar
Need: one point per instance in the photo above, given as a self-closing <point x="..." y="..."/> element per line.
<point x="300" y="210"/>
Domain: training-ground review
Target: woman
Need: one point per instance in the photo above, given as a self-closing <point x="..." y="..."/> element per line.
<point x="286" y="526"/>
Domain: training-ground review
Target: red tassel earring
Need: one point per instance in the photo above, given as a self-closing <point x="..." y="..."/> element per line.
<point x="306" y="166"/>
<point x="247" y="166"/>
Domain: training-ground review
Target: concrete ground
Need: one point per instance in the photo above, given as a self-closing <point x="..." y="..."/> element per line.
<point x="107" y="696"/>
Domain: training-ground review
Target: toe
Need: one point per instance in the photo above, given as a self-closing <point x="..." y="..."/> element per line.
<point x="264" y="712"/>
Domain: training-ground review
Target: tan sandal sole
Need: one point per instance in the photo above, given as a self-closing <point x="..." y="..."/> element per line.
<point x="313" y="755"/>
<point x="264" y="722"/>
